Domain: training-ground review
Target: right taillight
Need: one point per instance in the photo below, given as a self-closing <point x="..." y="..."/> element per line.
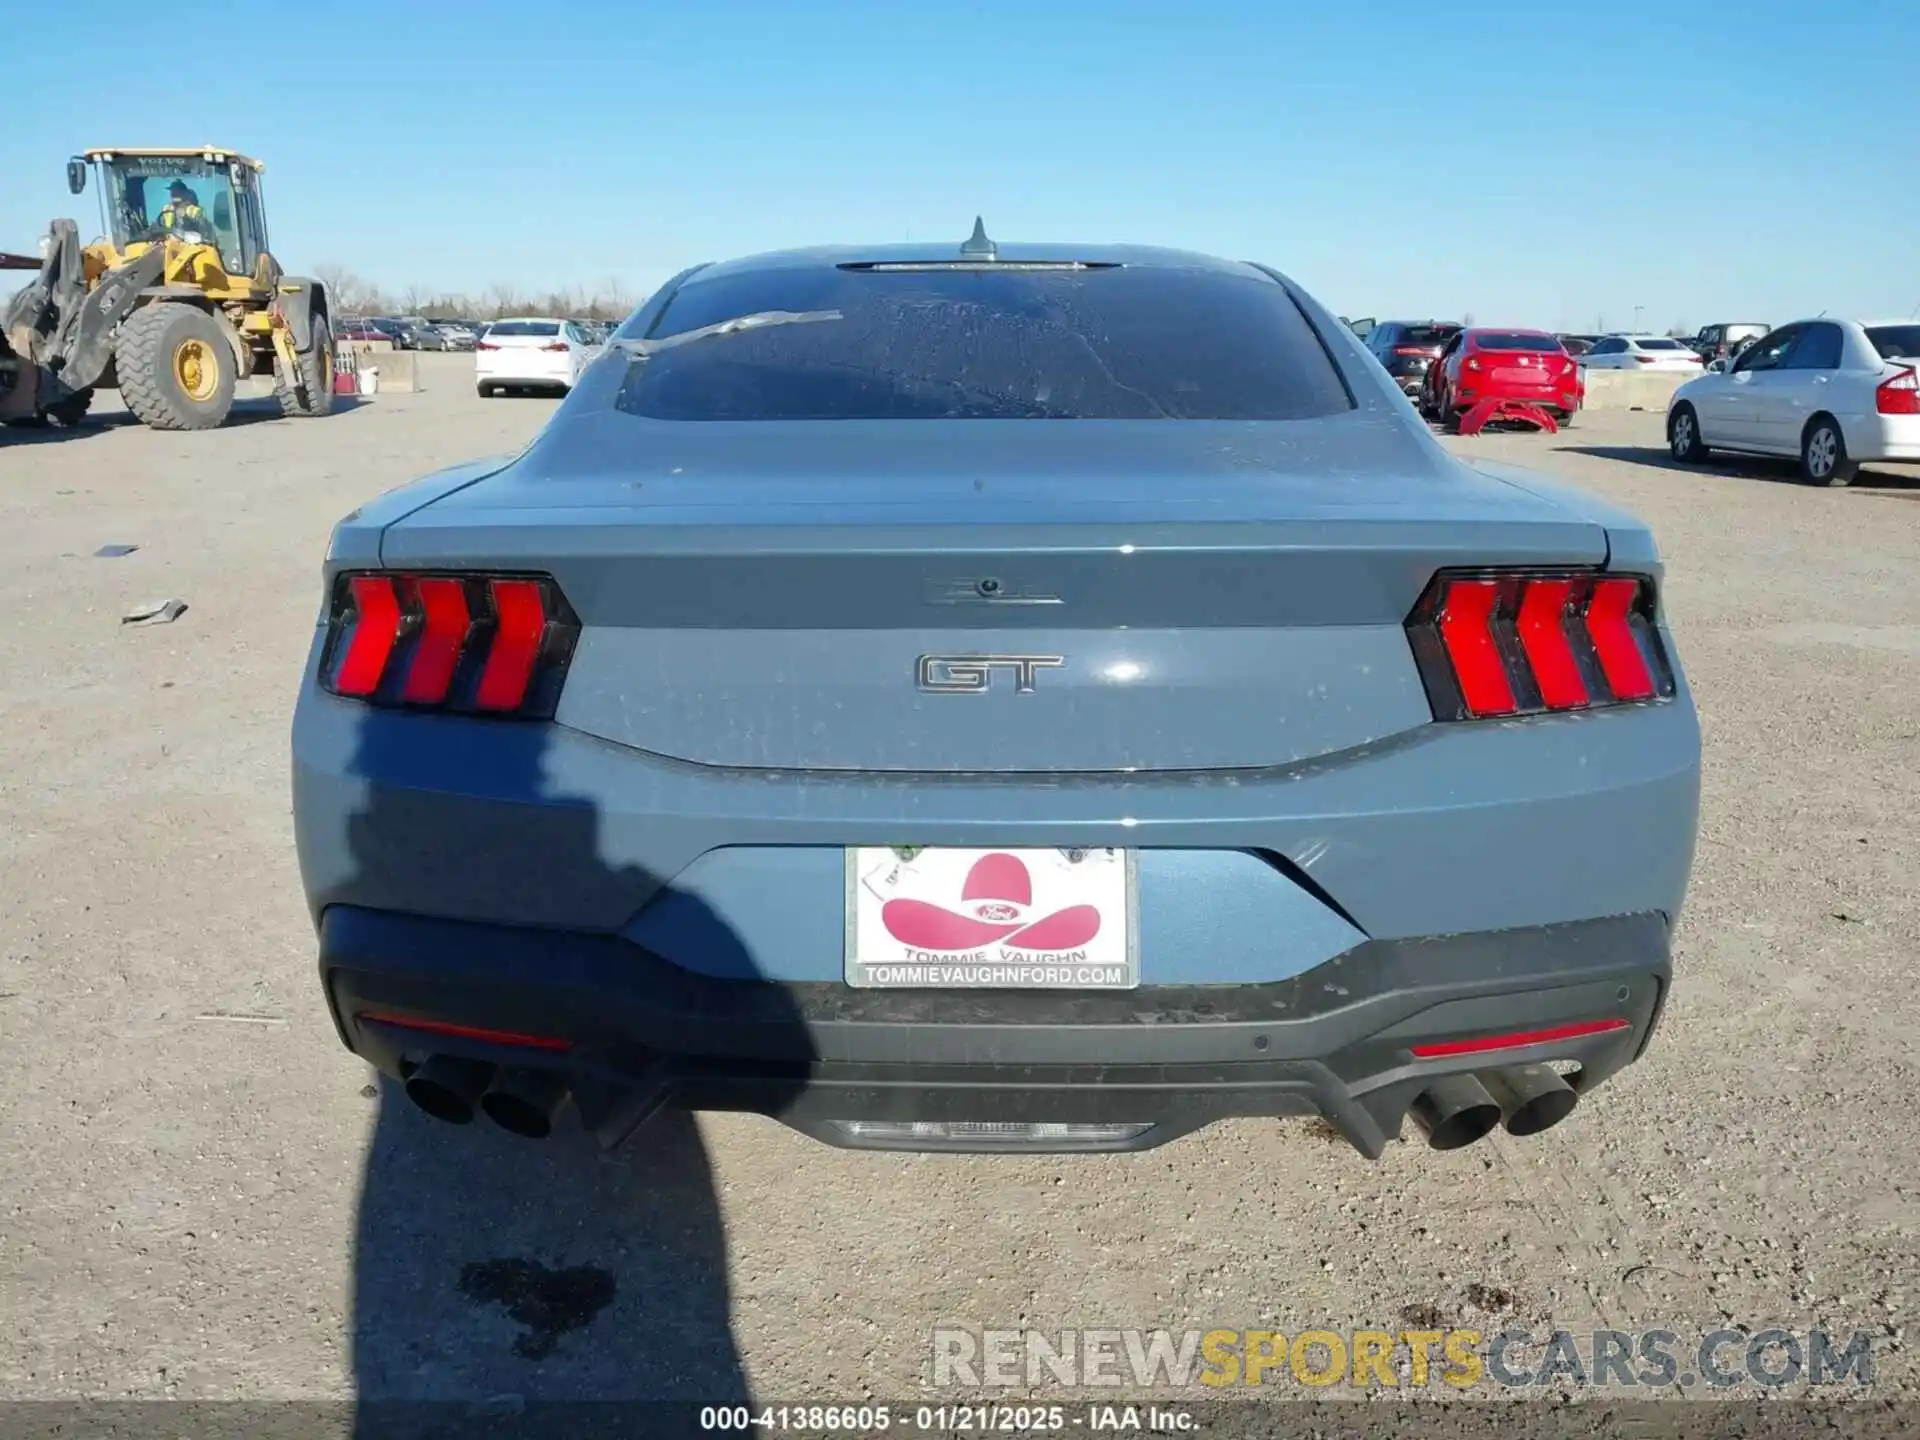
<point x="1493" y="643"/>
<point x="1899" y="395"/>
<point x="472" y="643"/>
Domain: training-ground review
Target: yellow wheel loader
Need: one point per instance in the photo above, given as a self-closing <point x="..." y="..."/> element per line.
<point x="177" y="302"/>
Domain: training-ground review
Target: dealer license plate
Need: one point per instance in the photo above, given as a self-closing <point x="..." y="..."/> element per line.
<point x="992" y="919"/>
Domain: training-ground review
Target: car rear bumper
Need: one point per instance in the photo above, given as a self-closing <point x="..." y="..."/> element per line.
<point x="1882" y="437"/>
<point x="628" y="1032"/>
<point x="1553" y="397"/>
<point x="506" y="368"/>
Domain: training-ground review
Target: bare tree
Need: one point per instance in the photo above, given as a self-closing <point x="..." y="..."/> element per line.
<point x="609" y="299"/>
<point x="351" y="294"/>
<point x="414" y="298"/>
<point x="502" y="298"/>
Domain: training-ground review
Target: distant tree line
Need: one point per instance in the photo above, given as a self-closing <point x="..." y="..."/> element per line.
<point x="607" y="300"/>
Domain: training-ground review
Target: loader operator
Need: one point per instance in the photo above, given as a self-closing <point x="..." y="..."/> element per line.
<point x="182" y="212"/>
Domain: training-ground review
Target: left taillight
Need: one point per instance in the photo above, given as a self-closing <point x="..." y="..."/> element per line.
<point x="1495" y="643"/>
<point x="481" y="644"/>
<point x="1899" y="395"/>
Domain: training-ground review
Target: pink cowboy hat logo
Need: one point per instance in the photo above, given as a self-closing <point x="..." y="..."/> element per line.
<point x="995" y="905"/>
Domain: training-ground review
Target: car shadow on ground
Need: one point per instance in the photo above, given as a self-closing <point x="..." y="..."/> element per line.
<point x="1757" y="467"/>
<point x="496" y="1276"/>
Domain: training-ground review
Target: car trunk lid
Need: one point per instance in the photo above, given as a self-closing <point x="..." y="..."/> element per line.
<point x="986" y="596"/>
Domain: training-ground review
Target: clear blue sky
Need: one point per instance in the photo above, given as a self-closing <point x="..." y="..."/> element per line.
<point x="1541" y="164"/>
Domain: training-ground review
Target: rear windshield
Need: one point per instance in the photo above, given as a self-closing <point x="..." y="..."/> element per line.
<point x="523" y="327"/>
<point x="1659" y="344"/>
<point x="1107" y="343"/>
<point x="1512" y="340"/>
<point x="1895" y="341"/>
<point x="1426" y="334"/>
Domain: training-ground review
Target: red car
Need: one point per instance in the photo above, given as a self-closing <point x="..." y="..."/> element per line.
<point x="1485" y="363"/>
<point x="351" y="329"/>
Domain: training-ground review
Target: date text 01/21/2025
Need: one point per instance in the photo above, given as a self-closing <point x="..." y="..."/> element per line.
<point x="962" y="1419"/>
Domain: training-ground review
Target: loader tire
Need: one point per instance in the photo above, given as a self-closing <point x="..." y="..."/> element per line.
<point x="311" y="394"/>
<point x="176" y="369"/>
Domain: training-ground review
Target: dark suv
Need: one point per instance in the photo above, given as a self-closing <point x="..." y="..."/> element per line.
<point x="1407" y="347"/>
<point x="1726" y="340"/>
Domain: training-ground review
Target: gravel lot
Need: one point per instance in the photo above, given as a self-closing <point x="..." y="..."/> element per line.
<point x="201" y="1196"/>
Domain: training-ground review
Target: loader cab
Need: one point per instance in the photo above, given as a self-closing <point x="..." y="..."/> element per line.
<point x="134" y="188"/>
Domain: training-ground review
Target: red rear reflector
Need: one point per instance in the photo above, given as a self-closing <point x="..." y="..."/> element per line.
<point x="1899" y="395"/>
<point x="1543" y="635"/>
<point x="520" y="626"/>
<point x="1518" y="1040"/>
<point x="1466" y="629"/>
<point x="467" y="1032"/>
<point x="1610" y="626"/>
<point x="376" y="628"/>
<point x="443" y="633"/>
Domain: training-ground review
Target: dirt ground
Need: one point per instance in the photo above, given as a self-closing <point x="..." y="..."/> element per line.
<point x="202" y="1196"/>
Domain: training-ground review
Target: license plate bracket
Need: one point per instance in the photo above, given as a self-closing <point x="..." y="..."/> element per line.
<point x="944" y="918"/>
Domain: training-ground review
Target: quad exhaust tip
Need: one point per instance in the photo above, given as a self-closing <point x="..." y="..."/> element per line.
<point x="1455" y="1111"/>
<point x="525" y="1102"/>
<point x="448" y="1088"/>
<point x="1532" y="1097"/>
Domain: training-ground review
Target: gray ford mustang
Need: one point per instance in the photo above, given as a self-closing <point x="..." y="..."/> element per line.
<point x="979" y="697"/>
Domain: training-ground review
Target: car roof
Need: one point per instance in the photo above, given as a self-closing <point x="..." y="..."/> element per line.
<point x="826" y="256"/>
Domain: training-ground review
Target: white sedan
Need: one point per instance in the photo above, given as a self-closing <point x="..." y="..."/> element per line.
<point x="1833" y="392"/>
<point x="1641" y="352"/>
<point x="531" y="351"/>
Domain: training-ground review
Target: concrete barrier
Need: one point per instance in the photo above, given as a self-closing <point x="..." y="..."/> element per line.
<point x="1631" y="389"/>
<point x="398" y="368"/>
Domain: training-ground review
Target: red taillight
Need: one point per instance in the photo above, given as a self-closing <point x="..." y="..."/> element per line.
<point x="484" y="345"/>
<point x="558" y="347"/>
<point x="1645" y="359"/>
<point x="1543" y="636"/>
<point x="498" y="644"/>
<point x="1517" y="1040"/>
<point x="1495" y="644"/>
<point x="1610" y="627"/>
<point x="520" y="626"/>
<point x="370" y="634"/>
<point x="1899" y="395"/>
<point x="443" y="634"/>
<point x="1412" y="350"/>
<point x="467" y="1032"/>
<point x="1466" y="629"/>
